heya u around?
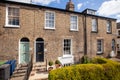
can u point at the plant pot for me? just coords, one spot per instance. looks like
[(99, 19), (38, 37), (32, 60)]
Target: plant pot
[(57, 65), (50, 68)]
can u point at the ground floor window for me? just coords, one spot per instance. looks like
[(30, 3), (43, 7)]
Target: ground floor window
[(67, 46), (99, 46), (113, 44)]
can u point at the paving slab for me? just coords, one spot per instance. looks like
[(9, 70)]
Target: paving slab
[(38, 76)]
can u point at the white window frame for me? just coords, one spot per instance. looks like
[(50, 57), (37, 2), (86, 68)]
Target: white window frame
[(6, 21), (94, 25), (71, 23), (67, 55), (102, 45), (113, 44), (45, 20), (109, 25)]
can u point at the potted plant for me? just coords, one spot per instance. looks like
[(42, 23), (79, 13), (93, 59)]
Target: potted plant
[(57, 63), (50, 66)]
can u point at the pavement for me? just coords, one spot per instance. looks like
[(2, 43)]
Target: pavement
[(115, 59), (38, 76), (44, 75)]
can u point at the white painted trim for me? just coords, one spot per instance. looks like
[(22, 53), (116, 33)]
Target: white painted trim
[(19, 53), (96, 26), (77, 23), (6, 19), (102, 46), (11, 25), (35, 50), (45, 20), (108, 22), (67, 55)]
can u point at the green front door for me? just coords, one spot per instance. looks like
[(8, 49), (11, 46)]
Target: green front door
[(24, 52)]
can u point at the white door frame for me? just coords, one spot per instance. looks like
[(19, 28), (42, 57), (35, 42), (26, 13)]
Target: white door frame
[(35, 49), (19, 51)]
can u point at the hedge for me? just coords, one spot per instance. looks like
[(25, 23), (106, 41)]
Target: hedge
[(99, 69)]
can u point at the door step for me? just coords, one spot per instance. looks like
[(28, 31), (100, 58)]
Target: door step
[(20, 72), (39, 67)]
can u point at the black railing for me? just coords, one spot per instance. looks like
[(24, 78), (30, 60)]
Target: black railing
[(29, 69)]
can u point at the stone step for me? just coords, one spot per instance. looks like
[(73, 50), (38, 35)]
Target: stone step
[(18, 75), (17, 78), (39, 67), (39, 64), (20, 71), (22, 68)]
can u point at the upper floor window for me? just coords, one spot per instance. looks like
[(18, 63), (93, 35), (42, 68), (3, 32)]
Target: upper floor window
[(50, 20), (109, 26), (67, 46), (94, 25), (12, 17), (118, 32), (74, 22), (99, 46)]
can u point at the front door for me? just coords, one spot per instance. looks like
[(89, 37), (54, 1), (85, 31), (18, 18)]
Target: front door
[(24, 52), (39, 51)]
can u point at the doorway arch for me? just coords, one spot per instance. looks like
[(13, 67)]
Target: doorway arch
[(24, 51), (39, 50)]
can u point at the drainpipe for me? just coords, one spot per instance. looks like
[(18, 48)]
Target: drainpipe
[(85, 35)]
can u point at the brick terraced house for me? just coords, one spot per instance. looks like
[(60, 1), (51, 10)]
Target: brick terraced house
[(46, 33), (118, 40)]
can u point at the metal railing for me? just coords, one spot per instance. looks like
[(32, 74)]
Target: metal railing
[(29, 69)]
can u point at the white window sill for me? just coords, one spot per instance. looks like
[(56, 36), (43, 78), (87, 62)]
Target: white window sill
[(74, 30), (12, 26), (49, 28), (68, 55), (94, 30), (99, 53), (109, 32)]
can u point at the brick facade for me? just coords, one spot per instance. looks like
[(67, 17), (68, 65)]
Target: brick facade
[(32, 22)]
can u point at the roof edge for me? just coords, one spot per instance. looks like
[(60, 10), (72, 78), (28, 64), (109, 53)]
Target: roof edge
[(53, 8)]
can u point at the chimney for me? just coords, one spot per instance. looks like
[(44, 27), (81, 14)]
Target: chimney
[(70, 6)]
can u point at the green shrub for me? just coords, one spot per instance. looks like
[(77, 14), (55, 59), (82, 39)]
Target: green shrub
[(2, 62), (85, 59), (103, 69), (50, 63), (57, 62), (98, 60)]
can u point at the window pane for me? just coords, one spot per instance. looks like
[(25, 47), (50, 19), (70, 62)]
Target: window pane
[(49, 20), (94, 25), (67, 46), (73, 22), (13, 16), (108, 26), (99, 46)]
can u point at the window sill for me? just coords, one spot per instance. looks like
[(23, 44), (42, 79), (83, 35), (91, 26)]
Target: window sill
[(49, 28), (109, 32), (94, 31), (67, 56), (74, 30), (11, 26), (99, 53)]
